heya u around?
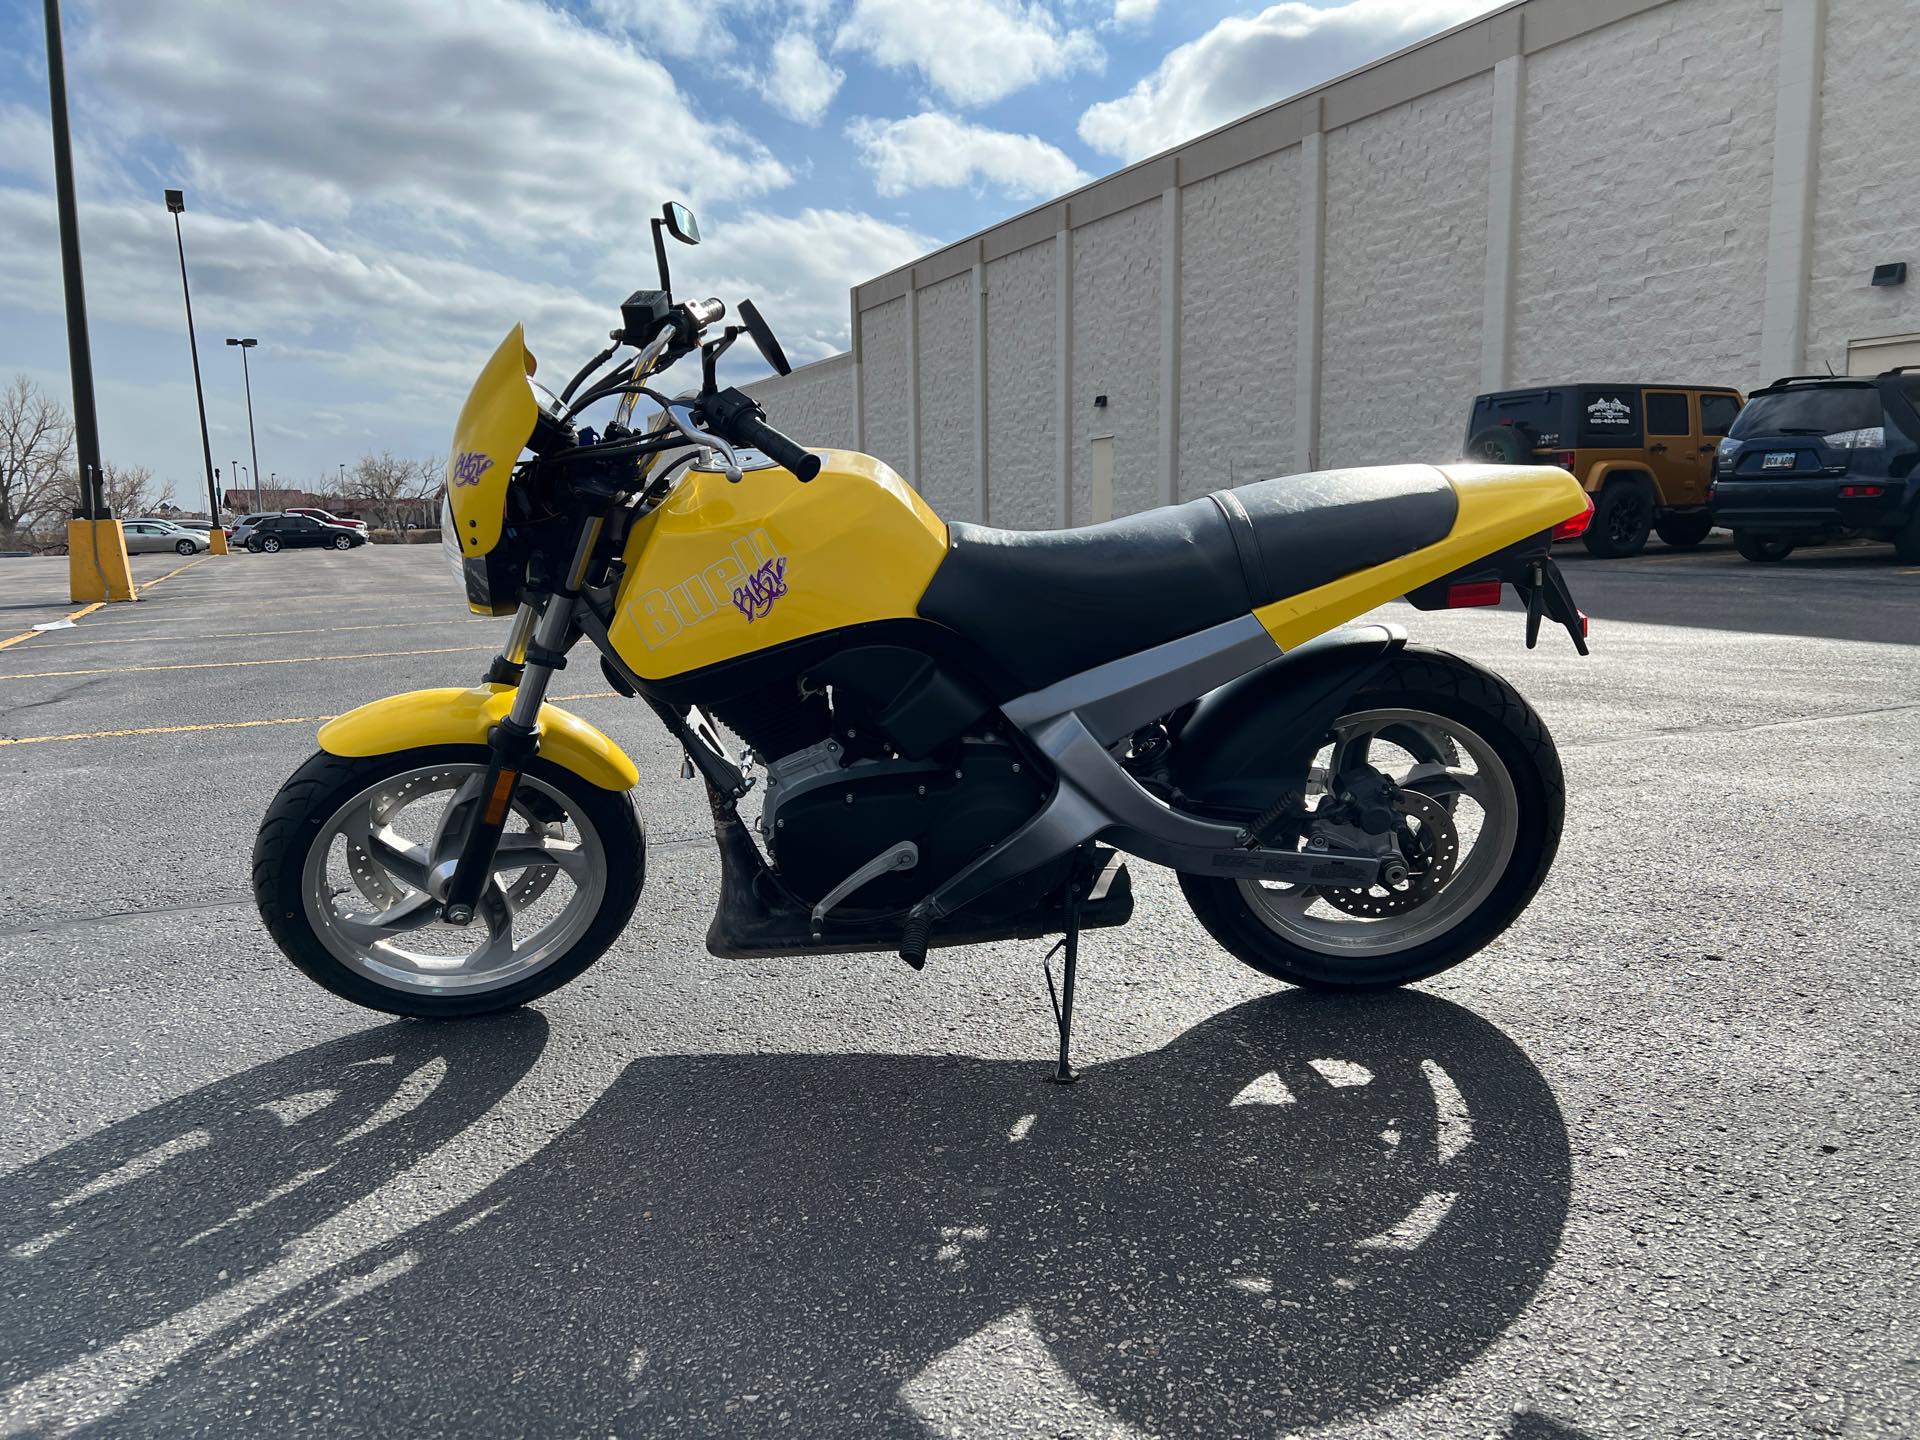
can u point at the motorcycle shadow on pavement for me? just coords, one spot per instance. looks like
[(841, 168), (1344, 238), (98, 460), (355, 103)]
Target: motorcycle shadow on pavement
[(1300, 1210), (158, 1213)]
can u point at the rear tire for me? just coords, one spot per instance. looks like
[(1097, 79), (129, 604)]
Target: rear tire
[(270, 545), (1906, 545), (1682, 532), (1622, 519), (1761, 549), (1459, 692)]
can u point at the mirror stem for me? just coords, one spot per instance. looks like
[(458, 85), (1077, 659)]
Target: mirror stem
[(660, 254)]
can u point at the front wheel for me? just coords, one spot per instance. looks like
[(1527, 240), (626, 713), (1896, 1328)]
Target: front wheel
[(341, 542), (1761, 549), (354, 853), (1477, 817), (184, 547)]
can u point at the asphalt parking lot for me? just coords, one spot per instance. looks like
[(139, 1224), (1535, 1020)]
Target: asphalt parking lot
[(1646, 1167)]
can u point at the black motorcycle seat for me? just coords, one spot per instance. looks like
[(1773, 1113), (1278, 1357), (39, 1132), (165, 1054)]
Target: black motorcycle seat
[(1045, 604)]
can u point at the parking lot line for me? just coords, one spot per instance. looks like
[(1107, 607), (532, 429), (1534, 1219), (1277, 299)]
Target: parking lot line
[(71, 615), (235, 664), (252, 634), (229, 724), (149, 584)]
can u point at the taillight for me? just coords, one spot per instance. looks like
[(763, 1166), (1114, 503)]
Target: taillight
[(1574, 528), (1861, 492), (1564, 459), (1473, 592)]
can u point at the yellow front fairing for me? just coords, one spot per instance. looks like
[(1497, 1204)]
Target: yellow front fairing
[(722, 569), (495, 425), (1499, 505)]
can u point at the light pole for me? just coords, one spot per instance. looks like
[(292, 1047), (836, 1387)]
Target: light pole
[(106, 576), (252, 439), (217, 538)]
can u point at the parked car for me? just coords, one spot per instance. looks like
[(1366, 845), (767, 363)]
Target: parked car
[(147, 537), (326, 517), (243, 528), (1644, 452), (1815, 458), (281, 532)]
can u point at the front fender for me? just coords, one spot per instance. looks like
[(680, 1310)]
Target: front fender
[(464, 717)]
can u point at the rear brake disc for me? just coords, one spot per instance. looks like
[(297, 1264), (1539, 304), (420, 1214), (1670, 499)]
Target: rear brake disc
[(1431, 859)]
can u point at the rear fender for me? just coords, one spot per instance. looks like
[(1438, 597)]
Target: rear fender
[(1631, 472), (1254, 738), (466, 717)]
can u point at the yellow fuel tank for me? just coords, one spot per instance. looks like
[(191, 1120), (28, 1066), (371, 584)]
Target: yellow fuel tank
[(723, 570)]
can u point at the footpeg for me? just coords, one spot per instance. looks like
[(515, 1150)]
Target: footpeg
[(913, 941)]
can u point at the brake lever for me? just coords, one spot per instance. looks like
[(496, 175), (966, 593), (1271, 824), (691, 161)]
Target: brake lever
[(683, 421)]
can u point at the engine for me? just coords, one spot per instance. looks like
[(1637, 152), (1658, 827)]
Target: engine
[(824, 817)]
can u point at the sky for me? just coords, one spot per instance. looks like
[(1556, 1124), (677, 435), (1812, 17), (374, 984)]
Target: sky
[(378, 189)]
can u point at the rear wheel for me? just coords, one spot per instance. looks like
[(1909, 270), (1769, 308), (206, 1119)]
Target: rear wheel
[(1622, 518), (1906, 544), (1762, 549), (1683, 532), (270, 545), (1476, 823), (353, 851)]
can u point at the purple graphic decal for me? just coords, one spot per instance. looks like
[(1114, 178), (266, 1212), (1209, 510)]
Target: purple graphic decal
[(764, 586), (469, 466)]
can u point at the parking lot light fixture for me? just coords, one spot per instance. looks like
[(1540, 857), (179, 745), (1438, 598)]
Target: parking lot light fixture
[(253, 439), (216, 537)]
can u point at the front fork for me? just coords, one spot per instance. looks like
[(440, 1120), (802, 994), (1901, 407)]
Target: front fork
[(535, 649)]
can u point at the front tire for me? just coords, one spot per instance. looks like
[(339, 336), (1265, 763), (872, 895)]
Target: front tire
[(1424, 703), (345, 865), (1761, 549), (1683, 532), (185, 547), (341, 542)]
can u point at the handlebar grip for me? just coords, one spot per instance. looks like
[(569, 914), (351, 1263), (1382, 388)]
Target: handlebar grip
[(706, 312), (750, 430), (735, 416)]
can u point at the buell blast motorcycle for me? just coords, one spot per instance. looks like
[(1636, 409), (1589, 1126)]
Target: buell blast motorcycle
[(957, 731)]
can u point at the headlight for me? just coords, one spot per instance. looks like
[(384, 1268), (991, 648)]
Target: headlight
[(1873, 437)]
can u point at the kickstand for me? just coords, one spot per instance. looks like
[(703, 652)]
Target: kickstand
[(1067, 946)]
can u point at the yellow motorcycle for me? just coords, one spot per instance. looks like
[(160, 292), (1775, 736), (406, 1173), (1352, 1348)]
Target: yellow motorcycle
[(955, 732)]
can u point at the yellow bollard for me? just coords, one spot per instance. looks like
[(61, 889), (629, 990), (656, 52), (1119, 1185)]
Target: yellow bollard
[(217, 542), (97, 565)]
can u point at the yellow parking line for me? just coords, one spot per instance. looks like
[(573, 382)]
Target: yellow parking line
[(246, 634), (149, 584), (236, 664), (71, 615), (228, 725)]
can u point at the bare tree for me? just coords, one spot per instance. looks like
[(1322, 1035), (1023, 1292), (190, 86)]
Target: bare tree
[(36, 441), (393, 491), (127, 490)]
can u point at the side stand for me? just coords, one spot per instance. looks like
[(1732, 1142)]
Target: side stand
[(1068, 947)]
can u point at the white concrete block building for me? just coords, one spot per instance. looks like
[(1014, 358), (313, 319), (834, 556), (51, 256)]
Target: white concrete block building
[(1695, 191)]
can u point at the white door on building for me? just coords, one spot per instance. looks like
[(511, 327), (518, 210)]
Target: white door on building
[(1870, 357)]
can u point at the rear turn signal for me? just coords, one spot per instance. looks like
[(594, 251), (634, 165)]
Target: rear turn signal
[(1861, 492), (1473, 592), (1576, 527)]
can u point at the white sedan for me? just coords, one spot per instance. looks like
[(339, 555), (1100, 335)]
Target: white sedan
[(148, 536)]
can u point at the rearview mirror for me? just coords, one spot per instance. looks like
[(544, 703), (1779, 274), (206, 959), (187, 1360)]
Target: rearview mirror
[(680, 223), (763, 340)]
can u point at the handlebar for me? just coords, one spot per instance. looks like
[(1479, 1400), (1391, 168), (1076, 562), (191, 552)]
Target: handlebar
[(739, 420)]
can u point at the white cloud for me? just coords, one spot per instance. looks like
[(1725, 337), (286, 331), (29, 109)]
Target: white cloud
[(680, 28), (798, 269), (800, 84), (502, 118), (973, 52), (1134, 12), (1246, 62), (932, 150)]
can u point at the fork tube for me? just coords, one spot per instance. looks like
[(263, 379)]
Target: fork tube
[(516, 740)]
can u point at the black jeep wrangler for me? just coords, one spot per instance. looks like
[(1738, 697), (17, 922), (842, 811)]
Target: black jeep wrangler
[(1813, 458)]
